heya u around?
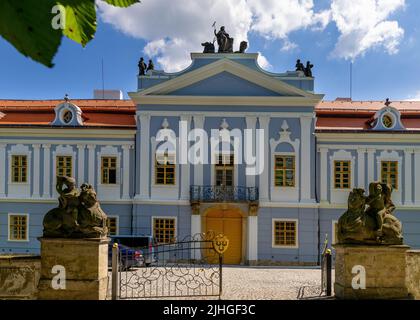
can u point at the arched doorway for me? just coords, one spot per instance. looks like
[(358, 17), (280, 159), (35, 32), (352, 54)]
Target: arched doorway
[(229, 222)]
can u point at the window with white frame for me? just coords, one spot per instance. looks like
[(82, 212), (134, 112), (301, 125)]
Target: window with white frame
[(18, 227), (224, 170), (64, 166), (285, 233), (164, 229), (109, 170), (19, 169), (284, 170), (112, 223), (165, 169)]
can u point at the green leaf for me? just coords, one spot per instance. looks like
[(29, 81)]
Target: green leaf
[(121, 3), (27, 26), (80, 23)]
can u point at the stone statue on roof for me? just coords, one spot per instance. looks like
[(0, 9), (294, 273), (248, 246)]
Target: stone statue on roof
[(142, 67), (224, 41)]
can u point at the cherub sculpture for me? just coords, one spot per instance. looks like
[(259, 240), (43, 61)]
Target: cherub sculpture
[(78, 214), (370, 220)]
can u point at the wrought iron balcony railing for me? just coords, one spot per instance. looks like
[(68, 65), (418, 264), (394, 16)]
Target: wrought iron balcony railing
[(223, 194)]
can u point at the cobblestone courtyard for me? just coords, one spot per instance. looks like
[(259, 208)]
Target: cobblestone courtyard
[(271, 283)]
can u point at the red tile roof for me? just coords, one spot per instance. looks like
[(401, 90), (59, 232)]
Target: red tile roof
[(340, 115), (96, 113), (346, 115)]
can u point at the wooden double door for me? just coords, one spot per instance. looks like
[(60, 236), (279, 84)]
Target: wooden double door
[(228, 222)]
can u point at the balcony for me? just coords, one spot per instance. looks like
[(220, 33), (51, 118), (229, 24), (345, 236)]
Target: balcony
[(223, 194)]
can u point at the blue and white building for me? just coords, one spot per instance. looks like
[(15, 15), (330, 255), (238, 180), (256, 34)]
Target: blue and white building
[(314, 153)]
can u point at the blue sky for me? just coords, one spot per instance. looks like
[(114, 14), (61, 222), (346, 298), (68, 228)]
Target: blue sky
[(388, 65)]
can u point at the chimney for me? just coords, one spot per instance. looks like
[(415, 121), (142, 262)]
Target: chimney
[(99, 94), (343, 99)]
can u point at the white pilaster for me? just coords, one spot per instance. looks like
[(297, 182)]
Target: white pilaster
[(323, 174), (144, 155), (417, 176), (251, 123), (253, 238), (91, 161), (47, 179), (80, 164), (361, 183), (371, 165), (306, 179), (196, 229), (264, 177), (198, 168), (126, 171), (36, 170), (408, 185), (3, 170), (185, 168)]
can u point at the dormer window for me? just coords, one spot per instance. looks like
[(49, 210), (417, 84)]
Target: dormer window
[(387, 118), (67, 114)]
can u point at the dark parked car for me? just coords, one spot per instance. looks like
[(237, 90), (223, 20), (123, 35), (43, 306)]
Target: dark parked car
[(144, 243), (129, 257)]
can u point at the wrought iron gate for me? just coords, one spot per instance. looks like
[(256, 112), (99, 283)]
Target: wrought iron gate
[(190, 267)]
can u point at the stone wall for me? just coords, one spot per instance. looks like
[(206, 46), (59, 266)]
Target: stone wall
[(413, 273), (19, 276)]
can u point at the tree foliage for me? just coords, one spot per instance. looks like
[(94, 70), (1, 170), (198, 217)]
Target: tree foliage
[(29, 25)]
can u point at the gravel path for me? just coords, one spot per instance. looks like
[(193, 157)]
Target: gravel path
[(274, 283)]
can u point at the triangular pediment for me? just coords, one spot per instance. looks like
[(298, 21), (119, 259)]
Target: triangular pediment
[(259, 83)]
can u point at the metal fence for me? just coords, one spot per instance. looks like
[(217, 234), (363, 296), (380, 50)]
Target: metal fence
[(191, 267), (224, 194)]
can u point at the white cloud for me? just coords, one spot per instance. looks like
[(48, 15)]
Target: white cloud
[(414, 97), (363, 25), (174, 28), (263, 62)]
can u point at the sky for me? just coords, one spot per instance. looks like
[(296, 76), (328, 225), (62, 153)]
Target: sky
[(381, 38)]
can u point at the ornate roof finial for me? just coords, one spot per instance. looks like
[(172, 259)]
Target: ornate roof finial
[(66, 97), (387, 102)]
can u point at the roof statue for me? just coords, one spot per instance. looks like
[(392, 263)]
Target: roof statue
[(78, 214), (224, 41), (307, 71), (370, 219), (142, 67)]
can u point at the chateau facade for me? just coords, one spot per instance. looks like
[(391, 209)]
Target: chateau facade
[(314, 153)]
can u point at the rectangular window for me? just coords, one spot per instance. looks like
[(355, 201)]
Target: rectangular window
[(224, 170), (18, 227), (342, 174), (164, 230), (64, 166), (285, 233), (112, 226), (19, 169), (284, 171), (165, 169), (389, 173), (109, 170)]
